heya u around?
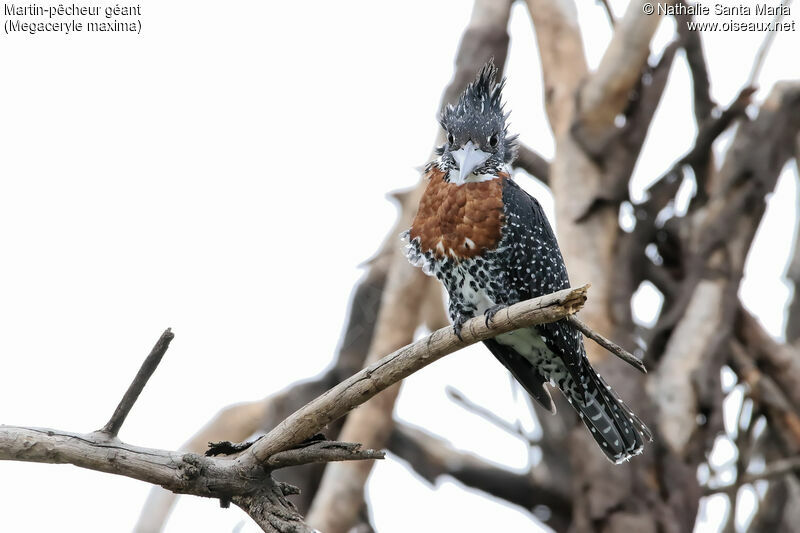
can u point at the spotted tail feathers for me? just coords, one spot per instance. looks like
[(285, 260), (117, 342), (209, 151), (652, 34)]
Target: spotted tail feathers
[(618, 431)]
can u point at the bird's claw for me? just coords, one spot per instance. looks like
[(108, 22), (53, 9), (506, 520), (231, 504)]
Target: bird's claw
[(458, 323), (489, 313)]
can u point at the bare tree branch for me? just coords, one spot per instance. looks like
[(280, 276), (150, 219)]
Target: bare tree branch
[(772, 470), (432, 457), (251, 487), (621, 154), (246, 480), (763, 389), (563, 66), (328, 451), (607, 91), (149, 366), (719, 241), (609, 497), (238, 422), (185, 473), (775, 513), (700, 154), (512, 429), (662, 192), (609, 345), (532, 163), (695, 57), (793, 276), (780, 361)]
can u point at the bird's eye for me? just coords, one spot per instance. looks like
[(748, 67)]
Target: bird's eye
[(450, 138), (493, 140)]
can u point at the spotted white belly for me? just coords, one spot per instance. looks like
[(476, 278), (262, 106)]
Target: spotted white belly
[(474, 293), (528, 343)]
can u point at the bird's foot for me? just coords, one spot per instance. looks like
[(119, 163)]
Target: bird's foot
[(489, 313), (458, 323)]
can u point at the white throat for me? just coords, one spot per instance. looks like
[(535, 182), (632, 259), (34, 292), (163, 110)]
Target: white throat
[(454, 176)]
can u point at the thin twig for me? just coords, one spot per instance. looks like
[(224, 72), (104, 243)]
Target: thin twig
[(612, 347), (149, 366), (513, 429)]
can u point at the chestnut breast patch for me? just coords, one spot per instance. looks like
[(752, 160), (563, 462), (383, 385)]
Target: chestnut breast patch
[(459, 221)]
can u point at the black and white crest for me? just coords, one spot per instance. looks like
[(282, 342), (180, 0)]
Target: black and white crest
[(478, 116)]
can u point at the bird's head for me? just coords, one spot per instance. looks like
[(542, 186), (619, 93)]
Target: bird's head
[(477, 145)]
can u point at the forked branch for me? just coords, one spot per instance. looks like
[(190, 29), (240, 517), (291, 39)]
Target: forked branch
[(246, 479)]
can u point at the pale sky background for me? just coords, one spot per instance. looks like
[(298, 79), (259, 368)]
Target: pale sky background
[(225, 174)]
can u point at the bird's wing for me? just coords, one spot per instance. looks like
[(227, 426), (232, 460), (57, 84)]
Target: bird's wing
[(535, 267), (522, 370)]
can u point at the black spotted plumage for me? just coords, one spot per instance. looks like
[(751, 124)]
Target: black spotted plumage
[(537, 268), (522, 263)]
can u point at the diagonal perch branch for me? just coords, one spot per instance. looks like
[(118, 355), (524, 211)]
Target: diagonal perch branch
[(149, 366), (400, 364)]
